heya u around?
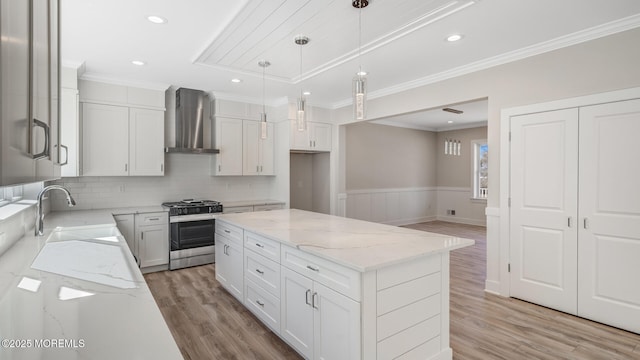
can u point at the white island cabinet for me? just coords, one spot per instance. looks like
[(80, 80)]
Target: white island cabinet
[(338, 288)]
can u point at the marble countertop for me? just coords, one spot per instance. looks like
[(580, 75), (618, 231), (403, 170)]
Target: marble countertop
[(360, 245), (48, 315)]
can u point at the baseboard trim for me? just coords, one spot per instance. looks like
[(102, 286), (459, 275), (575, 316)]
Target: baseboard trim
[(459, 220), (402, 222), (492, 287)]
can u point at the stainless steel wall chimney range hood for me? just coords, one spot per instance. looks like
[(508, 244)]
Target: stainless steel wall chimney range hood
[(189, 122)]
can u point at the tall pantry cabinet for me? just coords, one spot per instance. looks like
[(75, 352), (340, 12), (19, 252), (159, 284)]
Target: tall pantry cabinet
[(575, 210), (29, 91)]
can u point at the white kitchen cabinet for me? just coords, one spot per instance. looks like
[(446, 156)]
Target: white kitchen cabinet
[(146, 142), (317, 321), (258, 153), (105, 140), (122, 141), (227, 139), (242, 151), (229, 264), (29, 50), (126, 226), (315, 137), (152, 239), (69, 126)]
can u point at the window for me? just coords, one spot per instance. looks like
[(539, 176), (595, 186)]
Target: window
[(480, 168), (9, 194)]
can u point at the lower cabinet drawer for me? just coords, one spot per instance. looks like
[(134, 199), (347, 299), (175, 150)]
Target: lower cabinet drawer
[(263, 305), (262, 271), (231, 231), (337, 277)]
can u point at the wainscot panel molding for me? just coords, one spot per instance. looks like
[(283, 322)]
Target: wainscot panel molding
[(401, 206), (492, 283)]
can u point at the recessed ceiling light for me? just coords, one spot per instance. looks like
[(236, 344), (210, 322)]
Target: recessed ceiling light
[(157, 19), (306, 93), (450, 122), (454, 37), (236, 80), (138, 62)]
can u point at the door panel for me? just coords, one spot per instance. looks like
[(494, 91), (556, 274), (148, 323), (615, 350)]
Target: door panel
[(544, 152), (296, 312), (609, 245)]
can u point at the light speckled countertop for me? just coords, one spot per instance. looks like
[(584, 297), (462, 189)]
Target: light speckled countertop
[(94, 320), (360, 245)]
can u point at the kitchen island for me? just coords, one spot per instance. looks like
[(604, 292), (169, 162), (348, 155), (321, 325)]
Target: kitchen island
[(77, 293), (338, 288)]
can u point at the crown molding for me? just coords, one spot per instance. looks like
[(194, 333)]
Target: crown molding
[(117, 81), (593, 33)]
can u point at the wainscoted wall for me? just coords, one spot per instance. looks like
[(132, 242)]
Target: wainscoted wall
[(413, 205), (467, 210), (392, 206), (186, 176), (493, 282)]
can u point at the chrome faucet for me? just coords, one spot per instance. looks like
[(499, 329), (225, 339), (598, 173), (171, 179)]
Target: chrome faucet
[(39, 212)]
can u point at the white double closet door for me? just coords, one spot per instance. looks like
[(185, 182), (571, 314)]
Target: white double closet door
[(575, 211)]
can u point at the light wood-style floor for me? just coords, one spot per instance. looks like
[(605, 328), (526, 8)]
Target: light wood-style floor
[(208, 323)]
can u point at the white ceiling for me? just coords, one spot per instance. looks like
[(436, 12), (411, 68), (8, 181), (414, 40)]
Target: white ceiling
[(474, 114), (206, 43)]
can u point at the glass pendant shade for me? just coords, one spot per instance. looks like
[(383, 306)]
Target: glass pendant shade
[(263, 125), (359, 97), (263, 114), (300, 116)]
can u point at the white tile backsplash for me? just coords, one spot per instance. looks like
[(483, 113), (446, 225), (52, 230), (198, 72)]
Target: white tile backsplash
[(186, 176)]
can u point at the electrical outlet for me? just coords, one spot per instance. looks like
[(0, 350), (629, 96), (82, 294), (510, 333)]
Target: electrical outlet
[(451, 212)]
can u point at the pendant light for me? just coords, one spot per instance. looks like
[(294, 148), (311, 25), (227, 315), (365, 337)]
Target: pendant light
[(300, 114), (359, 81), (263, 115)]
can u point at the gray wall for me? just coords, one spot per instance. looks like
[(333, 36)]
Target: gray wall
[(455, 171), (605, 64), (382, 156), (309, 181)]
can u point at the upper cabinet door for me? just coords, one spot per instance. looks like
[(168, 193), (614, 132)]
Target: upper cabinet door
[(44, 129), (251, 147), (299, 138), (267, 150), (228, 139), (320, 136), (16, 165), (105, 140), (146, 142)]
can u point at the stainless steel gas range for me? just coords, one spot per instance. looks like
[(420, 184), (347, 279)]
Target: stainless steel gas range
[(192, 232)]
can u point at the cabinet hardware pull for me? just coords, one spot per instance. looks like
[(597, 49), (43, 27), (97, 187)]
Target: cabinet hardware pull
[(260, 303), (260, 245), (306, 297), (66, 158), (142, 235), (218, 167), (45, 151), (586, 223), (260, 271), (313, 300), (257, 168), (154, 219), (227, 231), (569, 221), (313, 268), (126, 167)]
